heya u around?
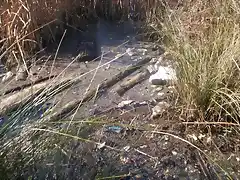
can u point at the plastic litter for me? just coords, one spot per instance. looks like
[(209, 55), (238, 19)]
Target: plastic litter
[(115, 129)]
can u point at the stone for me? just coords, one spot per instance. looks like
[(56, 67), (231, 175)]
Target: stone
[(21, 74), (160, 108)]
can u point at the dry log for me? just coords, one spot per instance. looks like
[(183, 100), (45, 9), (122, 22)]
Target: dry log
[(19, 88), (130, 83), (16, 100), (71, 106), (22, 98), (27, 95)]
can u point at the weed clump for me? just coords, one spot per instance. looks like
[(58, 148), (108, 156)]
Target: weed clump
[(204, 39)]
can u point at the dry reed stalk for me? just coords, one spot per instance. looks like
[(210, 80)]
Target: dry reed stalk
[(19, 20)]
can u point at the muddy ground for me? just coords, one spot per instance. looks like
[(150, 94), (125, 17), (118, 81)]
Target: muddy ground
[(129, 144)]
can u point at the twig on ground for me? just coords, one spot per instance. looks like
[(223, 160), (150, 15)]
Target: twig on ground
[(145, 154), (211, 123), (19, 88)]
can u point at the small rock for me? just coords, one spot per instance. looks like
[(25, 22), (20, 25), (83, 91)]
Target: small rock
[(7, 76), (143, 51), (162, 76), (21, 74), (238, 159), (124, 103), (125, 160), (160, 94), (159, 108)]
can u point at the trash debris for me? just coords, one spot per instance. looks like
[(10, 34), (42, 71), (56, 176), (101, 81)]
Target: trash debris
[(130, 52), (126, 148), (193, 136), (1, 121), (125, 160), (151, 69), (143, 51), (124, 103), (162, 76), (44, 108), (101, 145), (238, 159), (7, 76), (174, 153), (115, 129)]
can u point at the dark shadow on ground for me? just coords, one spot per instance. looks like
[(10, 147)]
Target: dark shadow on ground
[(91, 38)]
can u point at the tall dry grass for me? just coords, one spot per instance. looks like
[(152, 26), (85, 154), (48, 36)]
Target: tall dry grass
[(25, 26), (204, 39)]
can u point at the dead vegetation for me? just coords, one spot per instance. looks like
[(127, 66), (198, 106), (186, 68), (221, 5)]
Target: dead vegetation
[(202, 36), (27, 27)]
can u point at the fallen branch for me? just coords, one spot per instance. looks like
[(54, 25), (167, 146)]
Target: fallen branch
[(130, 83), (19, 88), (14, 101), (71, 106), (28, 95)]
